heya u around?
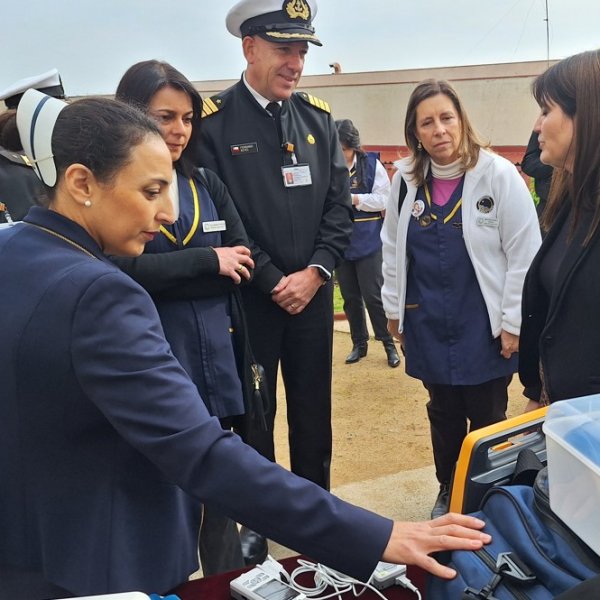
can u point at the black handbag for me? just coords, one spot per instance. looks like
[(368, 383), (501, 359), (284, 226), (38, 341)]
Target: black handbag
[(254, 382)]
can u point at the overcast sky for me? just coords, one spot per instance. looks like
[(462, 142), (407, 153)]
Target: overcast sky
[(92, 42)]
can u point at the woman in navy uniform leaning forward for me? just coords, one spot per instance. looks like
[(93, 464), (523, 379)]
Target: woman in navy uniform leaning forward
[(108, 448)]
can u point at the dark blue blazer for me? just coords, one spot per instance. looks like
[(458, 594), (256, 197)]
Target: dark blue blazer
[(107, 449)]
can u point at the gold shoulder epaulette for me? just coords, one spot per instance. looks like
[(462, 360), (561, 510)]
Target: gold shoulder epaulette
[(15, 157), (211, 105), (314, 101)]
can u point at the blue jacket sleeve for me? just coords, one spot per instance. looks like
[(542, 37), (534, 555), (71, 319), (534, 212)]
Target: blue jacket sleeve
[(126, 368)]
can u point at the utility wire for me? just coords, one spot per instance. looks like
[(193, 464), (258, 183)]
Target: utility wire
[(524, 26), (478, 44)]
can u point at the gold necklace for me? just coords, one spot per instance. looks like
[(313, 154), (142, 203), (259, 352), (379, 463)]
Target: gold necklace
[(65, 239)]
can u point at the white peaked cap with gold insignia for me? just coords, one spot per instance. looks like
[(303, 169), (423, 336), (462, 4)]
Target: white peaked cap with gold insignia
[(274, 20)]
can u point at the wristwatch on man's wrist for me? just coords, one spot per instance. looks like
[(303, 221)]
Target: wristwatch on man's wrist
[(325, 276)]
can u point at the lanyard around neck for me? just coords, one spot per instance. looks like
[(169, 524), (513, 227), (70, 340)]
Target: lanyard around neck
[(171, 237), (433, 215)]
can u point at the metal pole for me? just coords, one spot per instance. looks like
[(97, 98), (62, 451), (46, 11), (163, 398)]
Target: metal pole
[(547, 19)]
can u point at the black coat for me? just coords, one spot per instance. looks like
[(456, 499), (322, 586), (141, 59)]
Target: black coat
[(289, 228), (562, 331), (20, 187), (532, 165), (191, 272)]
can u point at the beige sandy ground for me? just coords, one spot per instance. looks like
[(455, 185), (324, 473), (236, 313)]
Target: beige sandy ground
[(382, 452), (381, 449)]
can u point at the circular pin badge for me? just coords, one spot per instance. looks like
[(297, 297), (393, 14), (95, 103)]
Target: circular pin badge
[(417, 208), (485, 205), (310, 138), (425, 220)]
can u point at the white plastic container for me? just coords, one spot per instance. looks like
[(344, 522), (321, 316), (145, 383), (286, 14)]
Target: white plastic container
[(572, 429)]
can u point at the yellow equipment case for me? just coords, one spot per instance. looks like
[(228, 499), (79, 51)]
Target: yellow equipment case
[(488, 457)]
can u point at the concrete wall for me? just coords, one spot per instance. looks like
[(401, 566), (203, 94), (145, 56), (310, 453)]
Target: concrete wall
[(497, 97)]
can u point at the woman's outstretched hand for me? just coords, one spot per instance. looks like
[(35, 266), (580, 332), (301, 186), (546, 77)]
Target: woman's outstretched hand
[(412, 543)]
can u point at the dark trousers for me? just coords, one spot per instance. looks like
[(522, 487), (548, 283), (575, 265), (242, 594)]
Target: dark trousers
[(219, 543), (17, 584), (360, 283), (454, 410), (302, 344)]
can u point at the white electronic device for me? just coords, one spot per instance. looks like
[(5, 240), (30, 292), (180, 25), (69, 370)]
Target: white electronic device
[(258, 585), (384, 575)]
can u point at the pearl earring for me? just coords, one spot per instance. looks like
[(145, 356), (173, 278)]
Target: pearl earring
[(419, 146), (87, 203)]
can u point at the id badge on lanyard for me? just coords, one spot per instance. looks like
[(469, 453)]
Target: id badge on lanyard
[(4, 209), (295, 175)]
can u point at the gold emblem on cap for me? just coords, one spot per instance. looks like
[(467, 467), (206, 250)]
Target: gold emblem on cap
[(310, 138), (298, 9)]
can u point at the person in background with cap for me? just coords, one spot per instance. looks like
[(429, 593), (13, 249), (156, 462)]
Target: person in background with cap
[(107, 447), (278, 153), (19, 186)]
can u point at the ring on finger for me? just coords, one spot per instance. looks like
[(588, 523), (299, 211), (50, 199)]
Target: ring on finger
[(240, 268), (292, 306)]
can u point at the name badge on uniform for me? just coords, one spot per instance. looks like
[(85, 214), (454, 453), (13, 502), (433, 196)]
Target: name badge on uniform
[(212, 226), (487, 222), (240, 149), (296, 175)]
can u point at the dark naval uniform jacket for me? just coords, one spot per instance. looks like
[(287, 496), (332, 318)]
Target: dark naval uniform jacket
[(289, 228), (20, 187), (107, 448)]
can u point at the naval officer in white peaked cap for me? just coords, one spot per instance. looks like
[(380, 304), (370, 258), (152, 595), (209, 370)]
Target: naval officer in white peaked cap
[(274, 20), (278, 152)]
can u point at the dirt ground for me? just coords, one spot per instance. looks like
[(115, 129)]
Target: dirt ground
[(380, 430), (380, 422)]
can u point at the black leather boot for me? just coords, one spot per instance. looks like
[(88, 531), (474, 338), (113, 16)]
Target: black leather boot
[(392, 354), (442, 502), (254, 546), (358, 351)]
